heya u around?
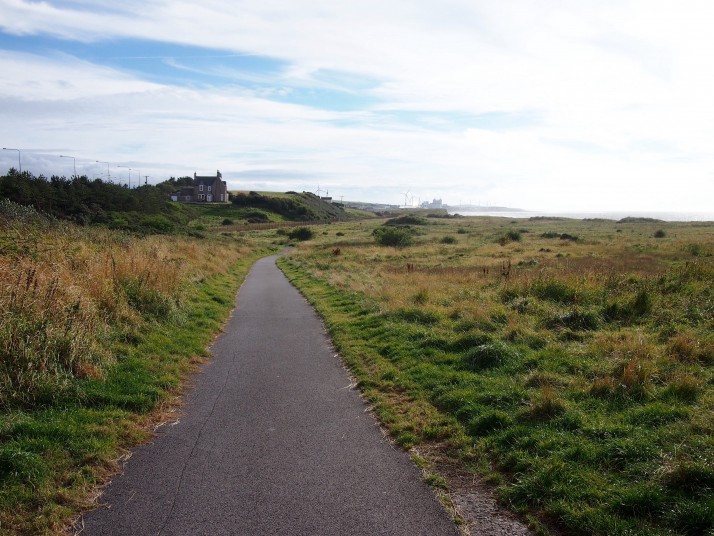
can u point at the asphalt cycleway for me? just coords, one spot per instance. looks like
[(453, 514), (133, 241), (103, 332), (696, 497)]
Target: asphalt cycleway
[(273, 439)]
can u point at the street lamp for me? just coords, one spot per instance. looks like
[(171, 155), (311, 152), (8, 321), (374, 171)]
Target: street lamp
[(74, 162), (107, 163), (127, 167), (19, 161)]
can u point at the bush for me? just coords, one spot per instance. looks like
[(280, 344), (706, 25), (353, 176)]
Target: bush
[(157, 224), (407, 220), (510, 236), (659, 233), (227, 221), (448, 240), (301, 233), (391, 236)]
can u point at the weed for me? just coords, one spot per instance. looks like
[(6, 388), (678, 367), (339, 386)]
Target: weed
[(684, 387), (487, 423), (486, 356), (554, 291), (547, 405)]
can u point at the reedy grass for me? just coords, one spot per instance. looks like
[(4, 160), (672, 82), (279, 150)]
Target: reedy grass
[(578, 373), (98, 330)]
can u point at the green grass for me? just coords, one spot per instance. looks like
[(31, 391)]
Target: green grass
[(53, 455), (578, 374)]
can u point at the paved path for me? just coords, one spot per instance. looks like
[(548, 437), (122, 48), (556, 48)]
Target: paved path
[(273, 440)]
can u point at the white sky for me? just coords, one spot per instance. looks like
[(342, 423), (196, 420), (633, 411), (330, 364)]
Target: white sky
[(551, 105)]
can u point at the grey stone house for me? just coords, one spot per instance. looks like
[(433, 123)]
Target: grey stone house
[(205, 189)]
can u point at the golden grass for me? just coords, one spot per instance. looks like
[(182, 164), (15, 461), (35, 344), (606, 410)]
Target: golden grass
[(63, 297)]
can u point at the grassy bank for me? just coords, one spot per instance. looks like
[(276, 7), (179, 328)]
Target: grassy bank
[(98, 330), (571, 362)]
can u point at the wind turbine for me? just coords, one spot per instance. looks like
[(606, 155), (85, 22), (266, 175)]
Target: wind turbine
[(407, 201)]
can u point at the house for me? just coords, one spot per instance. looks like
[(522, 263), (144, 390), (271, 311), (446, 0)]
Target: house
[(205, 189)]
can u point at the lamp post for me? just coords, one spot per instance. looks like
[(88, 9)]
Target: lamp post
[(127, 167), (107, 163), (19, 161), (74, 162)]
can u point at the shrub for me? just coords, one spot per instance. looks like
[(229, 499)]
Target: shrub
[(566, 236), (510, 236), (659, 233), (407, 220), (227, 221), (391, 236), (448, 240), (157, 224), (301, 233)]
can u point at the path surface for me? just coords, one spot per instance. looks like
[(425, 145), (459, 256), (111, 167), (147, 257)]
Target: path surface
[(272, 440)]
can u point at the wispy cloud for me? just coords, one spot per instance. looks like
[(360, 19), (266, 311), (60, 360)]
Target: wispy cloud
[(586, 105)]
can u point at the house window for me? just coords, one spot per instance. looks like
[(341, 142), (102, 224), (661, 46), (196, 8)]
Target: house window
[(200, 188), (209, 188)]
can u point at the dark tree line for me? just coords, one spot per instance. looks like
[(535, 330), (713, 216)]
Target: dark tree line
[(86, 200)]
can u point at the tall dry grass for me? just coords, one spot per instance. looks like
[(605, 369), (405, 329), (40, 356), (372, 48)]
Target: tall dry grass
[(66, 290)]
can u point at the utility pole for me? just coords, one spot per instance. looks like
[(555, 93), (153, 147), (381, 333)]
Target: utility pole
[(74, 162), (127, 167), (107, 163), (19, 160)]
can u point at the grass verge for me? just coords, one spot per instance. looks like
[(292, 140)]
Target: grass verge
[(575, 373), (60, 444)]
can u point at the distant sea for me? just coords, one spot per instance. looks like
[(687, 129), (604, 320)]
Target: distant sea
[(666, 216)]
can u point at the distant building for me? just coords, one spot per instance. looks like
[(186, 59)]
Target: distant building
[(436, 203), (205, 189)]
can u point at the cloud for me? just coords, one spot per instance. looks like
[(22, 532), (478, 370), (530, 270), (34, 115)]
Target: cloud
[(609, 101)]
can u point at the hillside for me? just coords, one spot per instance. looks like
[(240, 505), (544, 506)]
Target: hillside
[(148, 210), (294, 206)]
